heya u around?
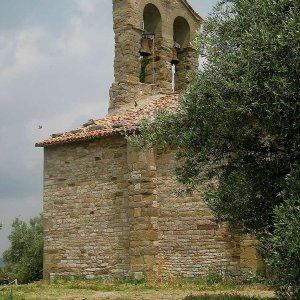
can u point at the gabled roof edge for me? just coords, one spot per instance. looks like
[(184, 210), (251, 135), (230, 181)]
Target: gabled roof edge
[(190, 8)]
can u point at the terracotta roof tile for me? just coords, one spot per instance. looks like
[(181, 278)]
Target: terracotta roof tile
[(112, 124)]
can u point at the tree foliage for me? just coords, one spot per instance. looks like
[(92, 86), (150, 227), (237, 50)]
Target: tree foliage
[(239, 119), (282, 246), (24, 259)]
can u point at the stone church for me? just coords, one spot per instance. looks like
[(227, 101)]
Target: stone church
[(110, 209)]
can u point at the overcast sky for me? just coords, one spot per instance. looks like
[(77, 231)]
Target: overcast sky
[(56, 67)]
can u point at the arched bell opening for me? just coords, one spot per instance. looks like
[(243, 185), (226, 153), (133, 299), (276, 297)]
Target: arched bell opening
[(181, 38), (181, 32), (150, 39), (152, 20)]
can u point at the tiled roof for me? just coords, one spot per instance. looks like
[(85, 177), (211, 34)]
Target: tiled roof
[(113, 124)]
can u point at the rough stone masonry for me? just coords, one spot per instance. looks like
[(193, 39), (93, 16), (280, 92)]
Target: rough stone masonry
[(110, 209)]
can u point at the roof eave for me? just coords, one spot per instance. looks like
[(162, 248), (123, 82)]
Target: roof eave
[(73, 140)]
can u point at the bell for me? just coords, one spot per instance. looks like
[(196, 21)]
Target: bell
[(145, 47), (175, 59)]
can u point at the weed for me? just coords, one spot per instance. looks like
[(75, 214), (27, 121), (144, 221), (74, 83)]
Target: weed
[(214, 277), (9, 295)]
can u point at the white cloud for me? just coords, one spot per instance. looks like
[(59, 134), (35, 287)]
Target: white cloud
[(87, 7), (21, 52), (4, 142), (30, 48), (73, 40)]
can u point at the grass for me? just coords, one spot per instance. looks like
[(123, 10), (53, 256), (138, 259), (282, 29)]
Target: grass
[(9, 295), (87, 289), (130, 285)]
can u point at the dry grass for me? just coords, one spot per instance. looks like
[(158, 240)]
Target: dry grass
[(86, 290)]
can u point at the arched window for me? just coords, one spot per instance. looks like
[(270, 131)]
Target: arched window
[(181, 32), (152, 20), (181, 38), (149, 43)]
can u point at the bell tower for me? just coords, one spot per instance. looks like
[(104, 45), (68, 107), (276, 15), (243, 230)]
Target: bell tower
[(152, 49)]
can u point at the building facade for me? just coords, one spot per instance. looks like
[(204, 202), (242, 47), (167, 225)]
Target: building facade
[(110, 209)]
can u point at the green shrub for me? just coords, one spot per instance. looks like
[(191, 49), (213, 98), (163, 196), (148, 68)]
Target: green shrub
[(3, 273), (24, 259)]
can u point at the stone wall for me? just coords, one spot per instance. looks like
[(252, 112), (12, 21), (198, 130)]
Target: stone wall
[(85, 209), (191, 243), (110, 209)]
